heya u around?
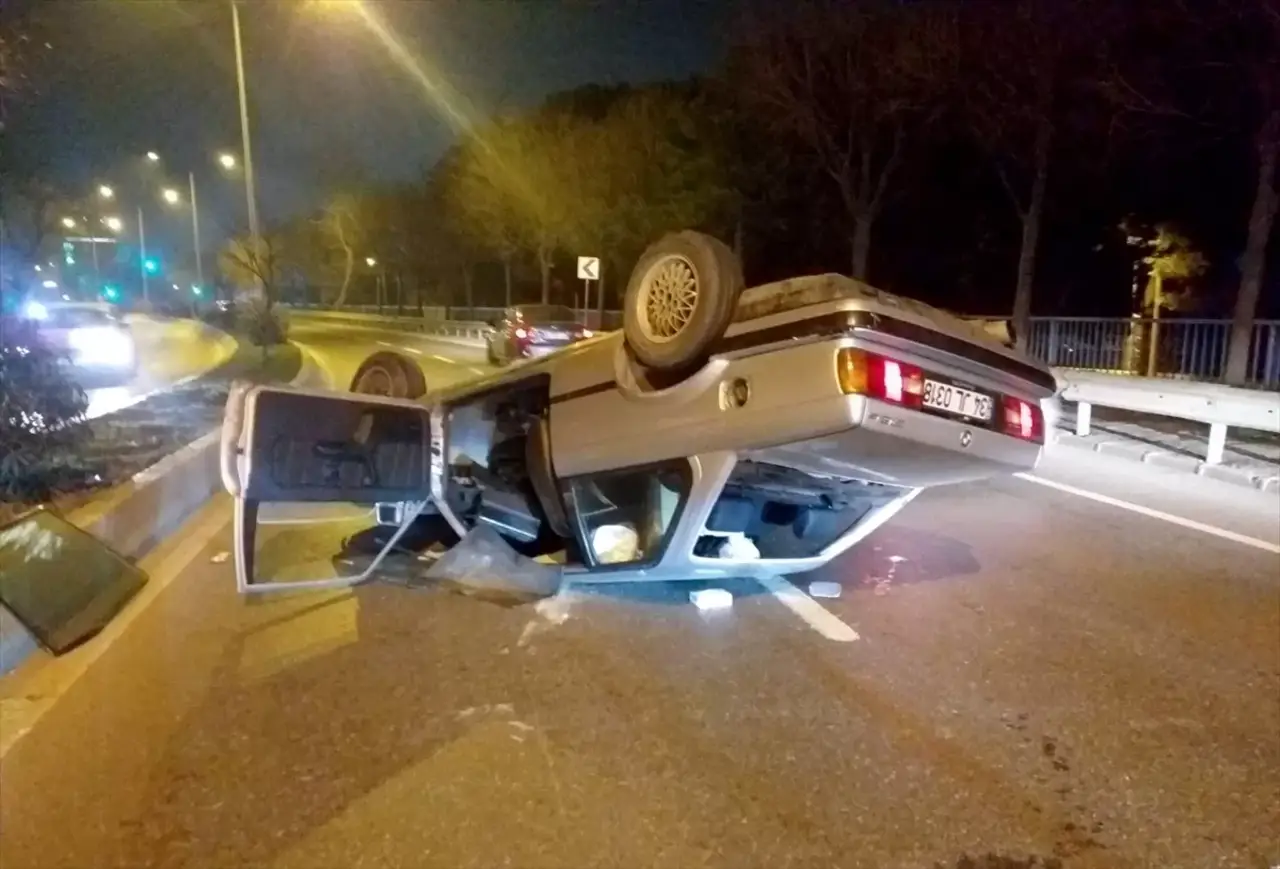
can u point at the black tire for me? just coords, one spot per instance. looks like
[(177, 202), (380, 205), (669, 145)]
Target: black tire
[(389, 374), (683, 341)]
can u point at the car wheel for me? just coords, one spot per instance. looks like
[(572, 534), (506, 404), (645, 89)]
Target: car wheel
[(391, 375), (680, 299)]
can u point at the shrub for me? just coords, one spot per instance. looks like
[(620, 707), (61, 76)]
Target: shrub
[(42, 415), (263, 324)]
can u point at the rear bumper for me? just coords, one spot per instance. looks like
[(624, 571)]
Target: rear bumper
[(890, 444)]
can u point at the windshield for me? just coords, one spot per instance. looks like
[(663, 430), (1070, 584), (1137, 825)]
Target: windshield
[(546, 313)]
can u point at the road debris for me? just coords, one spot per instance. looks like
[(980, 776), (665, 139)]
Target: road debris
[(825, 589)]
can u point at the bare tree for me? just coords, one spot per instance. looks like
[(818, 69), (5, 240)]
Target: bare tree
[(251, 263), (340, 223), (1219, 76), (1027, 66), (852, 83), (1261, 69)]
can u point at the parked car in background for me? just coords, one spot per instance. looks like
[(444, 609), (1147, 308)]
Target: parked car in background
[(95, 341), (528, 331)]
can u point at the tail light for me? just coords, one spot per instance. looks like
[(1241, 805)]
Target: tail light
[(863, 373), (1022, 419)]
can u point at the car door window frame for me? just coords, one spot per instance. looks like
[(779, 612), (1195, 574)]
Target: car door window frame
[(577, 518)]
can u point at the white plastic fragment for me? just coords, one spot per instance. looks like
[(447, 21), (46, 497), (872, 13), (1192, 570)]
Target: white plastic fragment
[(711, 599), (614, 544), (738, 547), (825, 589)]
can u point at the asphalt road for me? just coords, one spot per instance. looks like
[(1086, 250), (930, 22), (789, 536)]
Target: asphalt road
[(1039, 675), (168, 352)]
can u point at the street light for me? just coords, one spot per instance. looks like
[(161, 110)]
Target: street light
[(171, 196), (153, 156), (114, 224), (68, 223), (227, 161), (245, 147), (370, 261), (105, 191)]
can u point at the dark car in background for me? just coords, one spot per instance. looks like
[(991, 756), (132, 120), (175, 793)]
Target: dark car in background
[(529, 331), (98, 344)]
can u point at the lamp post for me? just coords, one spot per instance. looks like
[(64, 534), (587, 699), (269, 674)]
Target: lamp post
[(142, 255), (195, 230), (250, 196)]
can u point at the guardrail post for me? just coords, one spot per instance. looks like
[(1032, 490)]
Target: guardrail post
[(1084, 411), (1217, 443)]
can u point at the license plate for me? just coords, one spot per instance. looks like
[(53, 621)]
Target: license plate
[(955, 400)]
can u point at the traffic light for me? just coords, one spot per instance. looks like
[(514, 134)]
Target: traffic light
[(151, 265), (196, 290), (111, 293)]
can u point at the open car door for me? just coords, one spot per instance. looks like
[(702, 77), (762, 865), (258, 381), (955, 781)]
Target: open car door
[(281, 444)]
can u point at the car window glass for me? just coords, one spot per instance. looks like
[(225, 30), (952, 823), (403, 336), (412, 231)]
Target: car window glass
[(626, 517)]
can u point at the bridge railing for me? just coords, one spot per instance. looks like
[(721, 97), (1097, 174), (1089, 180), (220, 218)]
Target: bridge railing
[(1184, 349)]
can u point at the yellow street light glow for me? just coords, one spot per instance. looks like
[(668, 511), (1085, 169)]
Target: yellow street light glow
[(227, 161), (153, 156), (114, 224), (68, 223), (170, 196), (370, 261), (105, 191)]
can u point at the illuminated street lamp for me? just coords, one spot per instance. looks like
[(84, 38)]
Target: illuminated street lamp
[(227, 161), (153, 157), (370, 261), (114, 224), (69, 223), (105, 191), (171, 195)]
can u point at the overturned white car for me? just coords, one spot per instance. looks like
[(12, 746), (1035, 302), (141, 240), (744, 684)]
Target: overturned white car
[(722, 432)]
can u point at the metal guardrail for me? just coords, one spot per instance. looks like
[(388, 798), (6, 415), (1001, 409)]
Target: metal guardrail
[(1187, 349), (1218, 406), (473, 333)]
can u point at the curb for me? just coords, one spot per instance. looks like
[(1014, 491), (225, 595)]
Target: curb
[(1161, 458)]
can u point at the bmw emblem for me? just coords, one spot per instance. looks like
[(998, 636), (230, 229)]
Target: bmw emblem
[(966, 438)]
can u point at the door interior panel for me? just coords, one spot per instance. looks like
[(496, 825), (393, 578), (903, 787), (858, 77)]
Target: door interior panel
[(305, 447)]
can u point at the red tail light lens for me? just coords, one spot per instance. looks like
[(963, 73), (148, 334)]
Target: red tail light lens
[(1023, 419), (863, 373)]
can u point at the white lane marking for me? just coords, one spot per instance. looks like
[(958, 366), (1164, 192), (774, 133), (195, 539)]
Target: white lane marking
[(1264, 545), (813, 613), (52, 678), (403, 347), (446, 359)]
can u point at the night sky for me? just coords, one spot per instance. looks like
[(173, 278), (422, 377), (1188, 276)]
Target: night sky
[(328, 103)]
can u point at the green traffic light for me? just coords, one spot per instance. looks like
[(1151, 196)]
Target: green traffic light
[(110, 293), (151, 265)]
